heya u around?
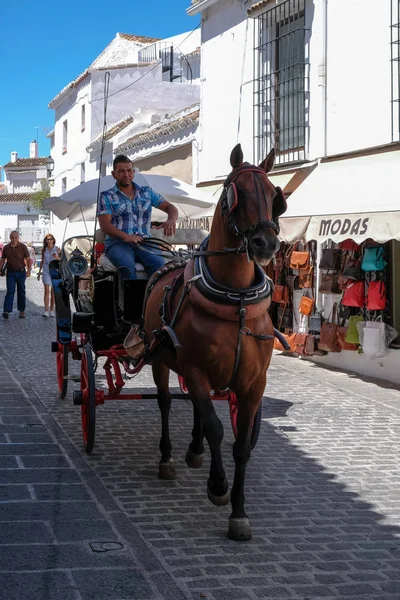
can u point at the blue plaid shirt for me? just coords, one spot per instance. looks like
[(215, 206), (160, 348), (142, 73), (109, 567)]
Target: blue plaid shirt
[(130, 216)]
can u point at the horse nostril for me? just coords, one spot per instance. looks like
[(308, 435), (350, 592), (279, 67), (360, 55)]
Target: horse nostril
[(259, 242)]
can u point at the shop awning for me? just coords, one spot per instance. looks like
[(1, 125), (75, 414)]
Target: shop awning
[(356, 198)]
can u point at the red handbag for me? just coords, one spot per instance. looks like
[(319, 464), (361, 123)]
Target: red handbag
[(376, 297), (354, 294), (349, 246)]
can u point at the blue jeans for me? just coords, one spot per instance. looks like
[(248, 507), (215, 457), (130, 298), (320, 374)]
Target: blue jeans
[(15, 278), (125, 254)]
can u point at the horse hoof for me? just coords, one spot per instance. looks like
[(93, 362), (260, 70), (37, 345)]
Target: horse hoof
[(239, 530), (194, 461), (219, 500), (166, 470)]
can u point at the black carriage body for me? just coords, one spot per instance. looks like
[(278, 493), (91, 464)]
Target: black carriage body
[(105, 312)]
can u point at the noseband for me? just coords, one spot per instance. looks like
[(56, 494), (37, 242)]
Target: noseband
[(229, 201)]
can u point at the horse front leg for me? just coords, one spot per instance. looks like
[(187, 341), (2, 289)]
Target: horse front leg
[(199, 390), (166, 468), (239, 527), (195, 454)]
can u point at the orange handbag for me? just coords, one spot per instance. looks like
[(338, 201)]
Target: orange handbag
[(299, 260), (306, 305)]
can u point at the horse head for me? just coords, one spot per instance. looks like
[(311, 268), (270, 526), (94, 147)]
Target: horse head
[(252, 206)]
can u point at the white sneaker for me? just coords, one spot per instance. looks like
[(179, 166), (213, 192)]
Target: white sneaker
[(52, 313), (45, 314)]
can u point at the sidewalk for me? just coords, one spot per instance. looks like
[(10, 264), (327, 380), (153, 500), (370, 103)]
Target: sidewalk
[(322, 493)]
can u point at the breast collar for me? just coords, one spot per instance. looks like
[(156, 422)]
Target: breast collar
[(217, 292)]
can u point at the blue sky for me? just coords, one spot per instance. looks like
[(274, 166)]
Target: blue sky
[(44, 45)]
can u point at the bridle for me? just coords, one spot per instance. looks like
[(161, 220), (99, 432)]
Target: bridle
[(229, 201)]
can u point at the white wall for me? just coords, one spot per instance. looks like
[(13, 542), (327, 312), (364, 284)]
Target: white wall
[(358, 80), (359, 84), (227, 73), (68, 164), (24, 181)]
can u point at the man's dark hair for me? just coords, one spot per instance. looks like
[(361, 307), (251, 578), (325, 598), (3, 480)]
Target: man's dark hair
[(121, 158)]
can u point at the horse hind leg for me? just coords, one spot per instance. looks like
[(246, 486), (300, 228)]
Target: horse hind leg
[(195, 454), (166, 468)]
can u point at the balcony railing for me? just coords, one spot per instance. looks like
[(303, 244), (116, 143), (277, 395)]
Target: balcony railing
[(28, 234)]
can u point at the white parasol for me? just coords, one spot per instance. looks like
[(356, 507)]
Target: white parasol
[(80, 203)]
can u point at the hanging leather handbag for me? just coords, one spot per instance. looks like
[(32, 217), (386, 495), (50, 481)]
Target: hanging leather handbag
[(349, 246), (315, 322), (343, 312), (328, 336), (306, 278), (306, 305), (343, 281), (352, 270), (373, 259), (277, 295), (299, 260), (329, 284), (341, 336), (330, 259), (376, 296), (354, 294)]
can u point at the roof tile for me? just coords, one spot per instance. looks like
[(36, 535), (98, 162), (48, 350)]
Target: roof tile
[(258, 6), (10, 198), (142, 39), (26, 162)]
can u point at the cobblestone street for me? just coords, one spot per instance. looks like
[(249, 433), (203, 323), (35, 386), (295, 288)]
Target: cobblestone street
[(322, 489)]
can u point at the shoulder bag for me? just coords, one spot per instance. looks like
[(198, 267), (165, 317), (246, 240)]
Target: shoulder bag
[(354, 294), (330, 259), (328, 336)]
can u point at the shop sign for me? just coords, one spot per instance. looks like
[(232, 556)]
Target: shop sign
[(343, 226)]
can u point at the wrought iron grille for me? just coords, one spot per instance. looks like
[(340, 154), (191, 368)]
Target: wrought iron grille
[(281, 84), (395, 70)]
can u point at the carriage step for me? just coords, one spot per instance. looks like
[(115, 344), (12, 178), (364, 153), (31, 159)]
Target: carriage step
[(75, 378)]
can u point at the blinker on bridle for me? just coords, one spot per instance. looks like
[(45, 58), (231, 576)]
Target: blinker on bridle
[(229, 201)]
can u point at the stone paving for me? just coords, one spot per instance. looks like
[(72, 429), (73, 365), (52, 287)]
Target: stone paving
[(322, 492)]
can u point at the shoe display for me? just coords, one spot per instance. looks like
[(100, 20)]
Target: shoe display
[(52, 313), (45, 314), (5, 315)]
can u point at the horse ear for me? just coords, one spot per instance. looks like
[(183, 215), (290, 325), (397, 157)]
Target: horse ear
[(279, 204), (268, 162), (236, 157)]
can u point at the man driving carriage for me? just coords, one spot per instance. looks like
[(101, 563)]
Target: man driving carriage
[(124, 214)]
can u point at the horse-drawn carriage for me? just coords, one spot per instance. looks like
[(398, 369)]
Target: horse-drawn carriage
[(204, 316)]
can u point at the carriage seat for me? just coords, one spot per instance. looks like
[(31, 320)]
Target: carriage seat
[(182, 237)]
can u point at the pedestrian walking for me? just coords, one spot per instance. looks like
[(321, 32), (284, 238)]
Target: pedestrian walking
[(32, 255), (49, 252), (18, 267)]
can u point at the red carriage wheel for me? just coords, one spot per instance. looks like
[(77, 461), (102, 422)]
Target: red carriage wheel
[(182, 385), (62, 367), (233, 411), (88, 391)]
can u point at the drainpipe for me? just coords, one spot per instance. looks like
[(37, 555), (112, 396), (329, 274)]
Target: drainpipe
[(322, 77), (322, 83)]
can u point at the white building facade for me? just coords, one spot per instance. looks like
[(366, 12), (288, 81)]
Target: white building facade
[(141, 81), (23, 177), (317, 81)]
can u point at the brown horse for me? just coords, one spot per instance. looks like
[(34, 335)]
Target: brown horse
[(222, 344)]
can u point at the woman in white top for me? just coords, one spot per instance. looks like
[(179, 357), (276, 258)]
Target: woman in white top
[(49, 253)]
